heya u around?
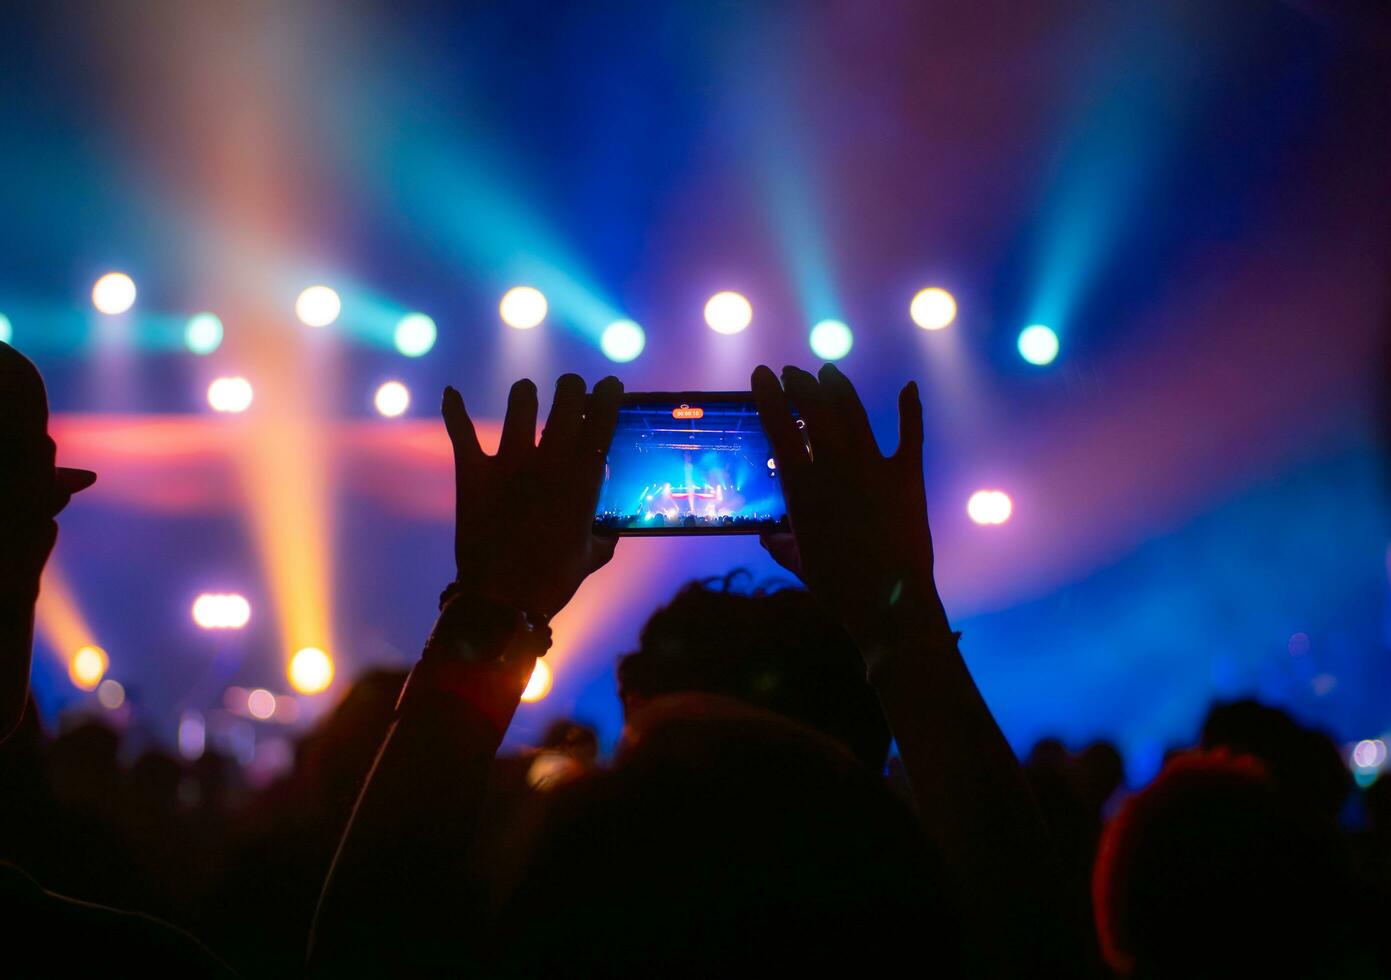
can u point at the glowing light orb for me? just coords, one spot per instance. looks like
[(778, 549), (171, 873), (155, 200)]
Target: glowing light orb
[(111, 694), (728, 313), (831, 340), (192, 735), (113, 293), (218, 611), (311, 671), (523, 307), (539, 684), (415, 334), (260, 703), (6, 330), (1038, 344), (989, 507), (318, 306), (392, 399), (87, 666), (772, 463), (203, 333), (231, 395), (933, 308), (622, 341), (1369, 753)]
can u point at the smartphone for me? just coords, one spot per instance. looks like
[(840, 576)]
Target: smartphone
[(691, 462)]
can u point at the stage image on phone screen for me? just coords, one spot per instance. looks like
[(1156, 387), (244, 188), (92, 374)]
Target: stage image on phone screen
[(690, 464)]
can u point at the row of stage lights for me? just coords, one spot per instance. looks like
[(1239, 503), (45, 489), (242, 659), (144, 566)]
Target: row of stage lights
[(526, 307)]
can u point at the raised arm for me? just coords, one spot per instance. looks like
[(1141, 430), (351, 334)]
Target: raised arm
[(861, 543), (398, 898)]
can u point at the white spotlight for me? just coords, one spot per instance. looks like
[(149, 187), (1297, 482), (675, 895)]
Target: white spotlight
[(728, 313), (113, 293), (622, 341), (318, 306), (831, 340), (1038, 344), (523, 307), (392, 399), (989, 507), (933, 308), (415, 334), (230, 395)]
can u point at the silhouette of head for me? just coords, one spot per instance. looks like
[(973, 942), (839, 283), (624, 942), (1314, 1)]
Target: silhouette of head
[(777, 649), (32, 492), (726, 841), (1302, 762), (1212, 871)]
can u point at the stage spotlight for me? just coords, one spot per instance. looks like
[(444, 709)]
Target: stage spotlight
[(622, 341), (230, 395), (831, 340), (87, 666), (203, 333), (6, 331), (392, 399), (415, 334), (728, 313), (260, 703), (311, 671), (1038, 344), (113, 293), (523, 307), (215, 611), (1370, 753), (539, 684), (318, 306), (933, 309), (111, 694), (989, 507)]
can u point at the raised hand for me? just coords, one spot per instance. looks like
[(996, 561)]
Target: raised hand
[(524, 517), (860, 537)]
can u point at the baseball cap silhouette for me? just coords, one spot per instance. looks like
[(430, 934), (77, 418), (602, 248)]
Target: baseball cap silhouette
[(26, 449)]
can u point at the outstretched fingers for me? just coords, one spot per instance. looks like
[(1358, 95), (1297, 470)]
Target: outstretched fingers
[(910, 427), (519, 425), (600, 421), (853, 422), (563, 425), (462, 435), (789, 450)]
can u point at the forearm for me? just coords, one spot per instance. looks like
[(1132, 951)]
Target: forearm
[(399, 896), (975, 805), (17, 599)]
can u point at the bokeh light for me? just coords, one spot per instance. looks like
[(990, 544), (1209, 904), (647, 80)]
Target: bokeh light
[(933, 308), (111, 694), (392, 399), (1038, 344), (260, 703), (87, 667), (523, 307), (728, 313), (1370, 753), (539, 684), (6, 330), (989, 507), (831, 340), (193, 734), (622, 341), (221, 611), (113, 293), (230, 395), (318, 306), (415, 334), (203, 333), (311, 671)]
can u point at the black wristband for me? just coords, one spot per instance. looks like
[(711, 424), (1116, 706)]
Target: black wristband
[(473, 628)]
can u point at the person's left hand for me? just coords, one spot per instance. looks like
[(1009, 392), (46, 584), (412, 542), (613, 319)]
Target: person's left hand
[(523, 525)]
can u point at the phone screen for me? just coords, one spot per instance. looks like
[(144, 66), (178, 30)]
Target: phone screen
[(690, 463)]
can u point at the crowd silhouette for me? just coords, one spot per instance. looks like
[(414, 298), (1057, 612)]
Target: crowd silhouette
[(753, 820)]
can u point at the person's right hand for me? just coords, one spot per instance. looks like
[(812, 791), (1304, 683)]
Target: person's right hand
[(860, 537), (523, 525)]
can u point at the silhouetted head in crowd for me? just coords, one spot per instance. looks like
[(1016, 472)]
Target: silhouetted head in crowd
[(32, 492), (775, 649), (1301, 761), (572, 738), (336, 756), (1212, 871), (725, 841)]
